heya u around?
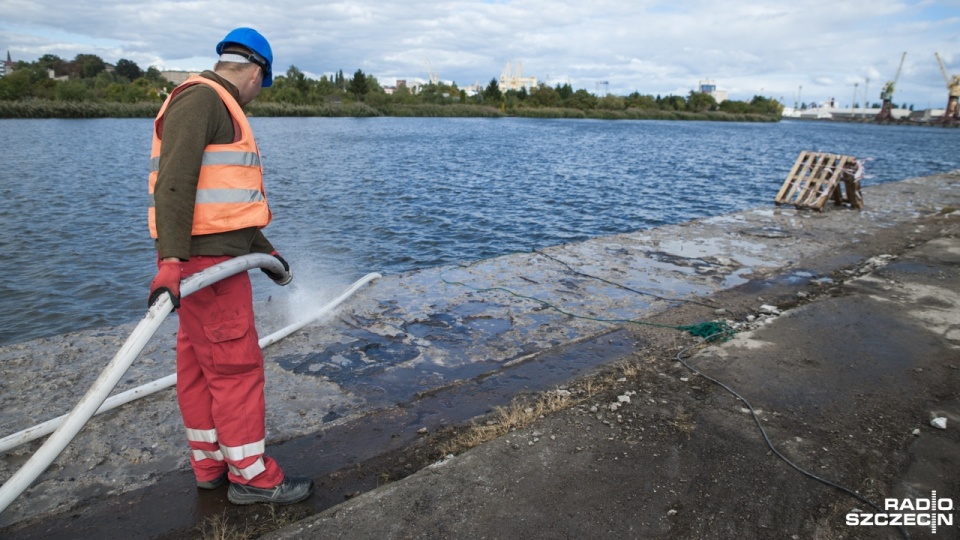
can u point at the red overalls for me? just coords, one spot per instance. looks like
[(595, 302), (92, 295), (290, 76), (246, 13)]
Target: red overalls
[(220, 381), (220, 373)]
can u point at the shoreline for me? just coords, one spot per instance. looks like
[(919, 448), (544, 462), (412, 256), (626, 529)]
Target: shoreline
[(45, 109)]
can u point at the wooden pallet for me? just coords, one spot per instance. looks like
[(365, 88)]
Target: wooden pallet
[(817, 177)]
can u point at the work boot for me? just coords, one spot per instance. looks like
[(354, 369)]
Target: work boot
[(213, 484), (291, 490)]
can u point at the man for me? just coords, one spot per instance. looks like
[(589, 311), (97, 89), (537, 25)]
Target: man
[(208, 204)]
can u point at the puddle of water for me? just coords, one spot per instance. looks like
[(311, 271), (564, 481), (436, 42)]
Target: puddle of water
[(489, 326), (795, 277), (908, 267), (439, 327)]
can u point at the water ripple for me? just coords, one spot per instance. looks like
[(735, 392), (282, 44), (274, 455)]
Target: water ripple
[(394, 194)]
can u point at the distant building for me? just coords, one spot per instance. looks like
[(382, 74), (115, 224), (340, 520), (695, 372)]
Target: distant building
[(7, 67), (177, 77), (710, 88), (473, 90), (53, 75), (927, 115), (390, 89)]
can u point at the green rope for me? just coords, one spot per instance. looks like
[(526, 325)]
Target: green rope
[(708, 330)]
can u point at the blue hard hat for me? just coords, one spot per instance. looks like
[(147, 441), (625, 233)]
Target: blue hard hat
[(256, 43)]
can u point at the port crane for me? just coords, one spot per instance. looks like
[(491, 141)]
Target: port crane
[(513, 79), (953, 86), (434, 78), (886, 95)]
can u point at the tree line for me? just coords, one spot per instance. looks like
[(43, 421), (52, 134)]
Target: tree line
[(88, 80)]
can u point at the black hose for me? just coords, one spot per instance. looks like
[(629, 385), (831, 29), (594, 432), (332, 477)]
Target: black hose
[(848, 491)]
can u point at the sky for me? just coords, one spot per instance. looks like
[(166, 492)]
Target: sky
[(792, 51)]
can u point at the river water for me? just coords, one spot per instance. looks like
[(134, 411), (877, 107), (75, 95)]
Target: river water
[(351, 196)]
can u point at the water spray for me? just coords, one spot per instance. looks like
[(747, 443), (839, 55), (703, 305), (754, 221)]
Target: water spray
[(66, 427)]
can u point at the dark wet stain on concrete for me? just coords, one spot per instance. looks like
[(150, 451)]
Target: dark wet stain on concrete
[(908, 267), (886, 347), (768, 232), (679, 262), (344, 362), (173, 507)]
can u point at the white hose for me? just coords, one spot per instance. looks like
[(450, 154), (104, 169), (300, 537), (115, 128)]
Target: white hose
[(39, 430), (46, 428), (111, 374)]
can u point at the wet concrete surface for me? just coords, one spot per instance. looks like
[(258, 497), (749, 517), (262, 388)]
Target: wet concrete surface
[(173, 507), (421, 350), (845, 382)]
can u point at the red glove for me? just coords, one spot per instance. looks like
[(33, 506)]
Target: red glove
[(280, 279), (166, 280)]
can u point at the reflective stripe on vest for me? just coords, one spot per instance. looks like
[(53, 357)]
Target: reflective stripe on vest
[(222, 196), (230, 192), (245, 159)]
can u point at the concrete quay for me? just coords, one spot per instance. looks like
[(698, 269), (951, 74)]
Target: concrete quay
[(842, 378), (851, 382)]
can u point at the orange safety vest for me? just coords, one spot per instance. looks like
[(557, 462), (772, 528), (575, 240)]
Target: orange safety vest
[(230, 192)]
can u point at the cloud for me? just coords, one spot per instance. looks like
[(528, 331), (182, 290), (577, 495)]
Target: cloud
[(746, 47)]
